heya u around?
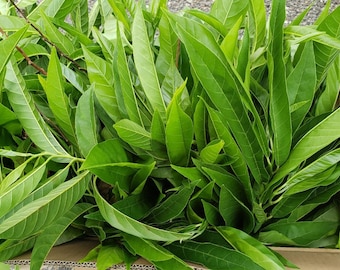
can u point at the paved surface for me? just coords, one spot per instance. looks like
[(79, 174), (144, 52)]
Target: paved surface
[(293, 7)]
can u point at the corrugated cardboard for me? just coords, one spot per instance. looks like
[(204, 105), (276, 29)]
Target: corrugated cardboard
[(71, 253)]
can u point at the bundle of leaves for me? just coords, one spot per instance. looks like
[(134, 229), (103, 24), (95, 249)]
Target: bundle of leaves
[(198, 137)]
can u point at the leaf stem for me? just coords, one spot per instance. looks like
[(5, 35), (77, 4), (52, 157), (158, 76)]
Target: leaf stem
[(29, 61), (60, 52)]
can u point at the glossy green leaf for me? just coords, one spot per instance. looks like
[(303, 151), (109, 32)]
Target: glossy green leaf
[(131, 226), (212, 256), (83, 39), (23, 105), (251, 247), (310, 176), (147, 249), (169, 48), (49, 7), (7, 46), (212, 214), (325, 55), (214, 75), (9, 249), (41, 190), (144, 61), (179, 132), (120, 13), (86, 123), (101, 76), (18, 191), (153, 252), (34, 216), (109, 161), (301, 83), (51, 234), (123, 81), (328, 99), (320, 196), (12, 23), (229, 43), (133, 134), (228, 12), (54, 87), (279, 106), (257, 22), (303, 232), (210, 153), (108, 256), (234, 212), (55, 36), (231, 149), (158, 135), (314, 140), (13, 176), (173, 206)]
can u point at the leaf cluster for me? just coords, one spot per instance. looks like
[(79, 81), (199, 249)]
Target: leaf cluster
[(200, 137)]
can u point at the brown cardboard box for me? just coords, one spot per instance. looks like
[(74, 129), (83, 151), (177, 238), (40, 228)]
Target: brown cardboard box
[(66, 257)]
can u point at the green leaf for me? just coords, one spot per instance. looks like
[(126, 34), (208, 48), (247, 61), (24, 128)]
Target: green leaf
[(109, 256), (314, 140), (9, 249), (133, 134), (324, 54), (18, 191), (179, 132), (147, 249), (120, 13), (212, 256), (7, 46), (12, 23), (234, 212), (328, 99), (123, 81), (109, 161), (13, 176), (83, 39), (28, 115), (55, 36), (232, 150), (211, 152), (320, 196), (101, 76), (209, 64), (158, 136), (173, 206), (49, 7), (257, 22), (54, 87), (34, 216), (251, 247), (42, 190), (301, 84), (153, 252), (86, 123), (229, 43), (303, 232), (311, 176), (169, 48), (228, 12), (128, 225), (144, 62), (46, 240), (280, 119), (212, 214)]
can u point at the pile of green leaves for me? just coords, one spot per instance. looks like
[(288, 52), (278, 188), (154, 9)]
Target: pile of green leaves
[(197, 136)]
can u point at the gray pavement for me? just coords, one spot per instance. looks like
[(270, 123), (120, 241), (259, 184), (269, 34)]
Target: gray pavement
[(293, 7)]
